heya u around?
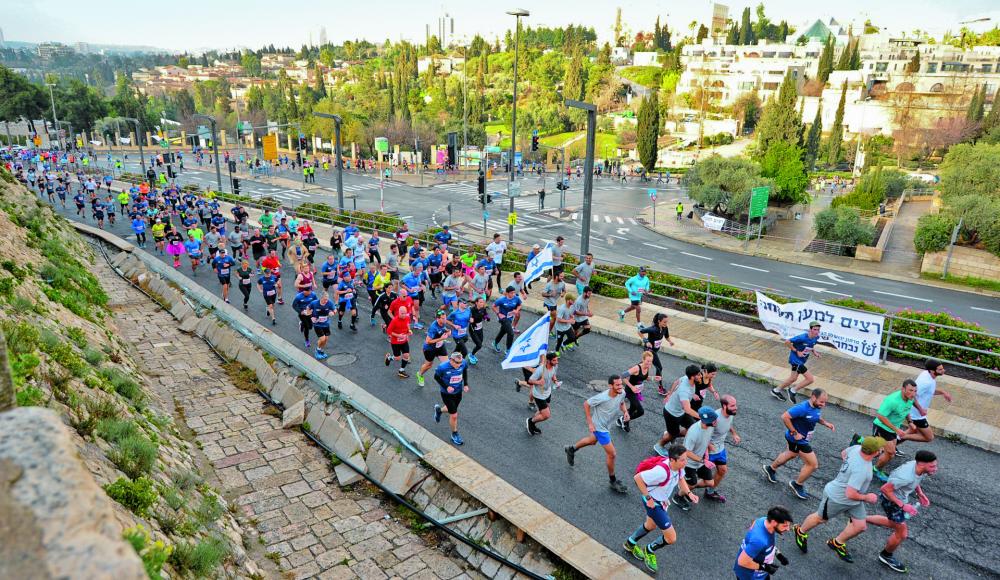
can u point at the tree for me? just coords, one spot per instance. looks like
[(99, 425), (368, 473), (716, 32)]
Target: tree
[(648, 132), (813, 139), (747, 110), (251, 64), (19, 98), (825, 61), (783, 166), (836, 140), (619, 39), (992, 120), (844, 62), (971, 170), (702, 34), (780, 122), (733, 36), (657, 35), (913, 67), (977, 105), (746, 29), (573, 82), (855, 63), (843, 225), (79, 104), (723, 184)]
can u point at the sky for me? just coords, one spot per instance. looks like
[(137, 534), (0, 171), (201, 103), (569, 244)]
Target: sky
[(199, 24)]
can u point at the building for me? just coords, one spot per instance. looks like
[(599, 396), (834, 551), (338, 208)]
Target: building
[(888, 65), (50, 50), (322, 35), (820, 31), (646, 59), (444, 65)]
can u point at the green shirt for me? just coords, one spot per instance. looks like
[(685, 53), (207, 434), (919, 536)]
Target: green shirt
[(266, 220), (895, 409)]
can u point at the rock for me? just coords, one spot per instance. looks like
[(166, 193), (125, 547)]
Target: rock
[(316, 418), (330, 431), (55, 522), (378, 465), (295, 408), (399, 478), (190, 323), (346, 475)]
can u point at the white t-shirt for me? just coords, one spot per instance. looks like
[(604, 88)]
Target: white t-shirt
[(660, 482), (496, 250), (926, 387)]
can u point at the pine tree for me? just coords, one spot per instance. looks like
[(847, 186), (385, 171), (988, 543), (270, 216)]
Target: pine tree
[(657, 35), (746, 29), (825, 61), (977, 105), (836, 140), (573, 81), (320, 83), (992, 119), (293, 107), (733, 37), (702, 34), (813, 139), (648, 131), (780, 122), (782, 31)]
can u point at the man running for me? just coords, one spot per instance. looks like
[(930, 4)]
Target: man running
[(636, 286), (845, 494), (920, 429), (894, 497), (268, 286), (891, 422), (399, 333), (800, 423), (698, 441), (758, 550), (437, 334), (583, 272), (599, 411), (302, 305), (347, 301), (506, 307), (321, 310), (496, 250), (543, 381), (657, 478), (677, 412), (800, 346), (723, 428), (453, 378), (552, 295), (581, 315), (223, 265)]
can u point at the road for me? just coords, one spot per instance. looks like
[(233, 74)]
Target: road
[(954, 538), (616, 236)]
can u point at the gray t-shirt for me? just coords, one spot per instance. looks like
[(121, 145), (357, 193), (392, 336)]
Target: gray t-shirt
[(696, 441), (450, 288), (580, 308), (603, 407), (212, 239), (856, 472), (583, 272), (722, 426), (563, 312), (547, 376), (479, 283), (683, 392), (554, 291), (904, 480), (392, 261), (235, 238), (557, 254)]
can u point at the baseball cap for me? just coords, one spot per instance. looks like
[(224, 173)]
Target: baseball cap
[(814, 324), (707, 416), (872, 444), (642, 268)]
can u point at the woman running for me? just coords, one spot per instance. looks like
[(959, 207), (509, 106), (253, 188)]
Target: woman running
[(245, 274), (637, 376), (652, 337), (175, 246), (702, 383)]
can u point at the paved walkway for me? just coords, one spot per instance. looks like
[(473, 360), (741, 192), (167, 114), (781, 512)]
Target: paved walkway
[(900, 249), (276, 477)]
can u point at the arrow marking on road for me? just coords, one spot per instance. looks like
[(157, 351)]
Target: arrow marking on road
[(985, 309), (697, 256), (835, 278), (813, 280), (824, 291), (622, 231), (654, 246), (902, 296), (749, 267)]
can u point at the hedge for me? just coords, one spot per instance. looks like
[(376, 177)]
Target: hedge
[(365, 220)]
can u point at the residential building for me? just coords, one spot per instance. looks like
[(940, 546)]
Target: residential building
[(50, 50), (646, 59), (940, 69)]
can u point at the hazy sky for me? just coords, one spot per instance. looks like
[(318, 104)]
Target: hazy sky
[(194, 24)]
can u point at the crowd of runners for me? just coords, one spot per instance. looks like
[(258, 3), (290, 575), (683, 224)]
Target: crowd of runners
[(437, 298)]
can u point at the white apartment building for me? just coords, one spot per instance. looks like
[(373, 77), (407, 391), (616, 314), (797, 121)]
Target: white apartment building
[(944, 70)]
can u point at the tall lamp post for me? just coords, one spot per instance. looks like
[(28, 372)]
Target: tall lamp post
[(215, 150), (517, 14), (55, 120), (138, 138), (588, 171), (337, 120)]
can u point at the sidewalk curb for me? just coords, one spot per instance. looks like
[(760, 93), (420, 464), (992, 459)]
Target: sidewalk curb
[(920, 281)]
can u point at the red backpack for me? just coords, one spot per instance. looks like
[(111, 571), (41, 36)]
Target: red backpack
[(654, 461)]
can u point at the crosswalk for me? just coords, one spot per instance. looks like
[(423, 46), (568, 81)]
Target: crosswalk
[(294, 195), (608, 219)]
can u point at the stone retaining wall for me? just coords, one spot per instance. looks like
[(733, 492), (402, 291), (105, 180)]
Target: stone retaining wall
[(964, 262)]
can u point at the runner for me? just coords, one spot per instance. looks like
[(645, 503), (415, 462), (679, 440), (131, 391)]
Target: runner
[(346, 300), (801, 346), (677, 412), (435, 270), (257, 243), (496, 250), (894, 497), (273, 263), (479, 315), (581, 315), (702, 383), (583, 272), (564, 324), (434, 345), (414, 284), (800, 424), (399, 333), (920, 429), (245, 273), (193, 249), (223, 264), (558, 249), (175, 246), (378, 291), (698, 442), (845, 494), (636, 286), (452, 286), (657, 478), (718, 456), (267, 283), (599, 410), (891, 422), (235, 238), (758, 550), (506, 307), (453, 378), (321, 310), (543, 381), (302, 305), (652, 337), (139, 229), (159, 230), (459, 320), (635, 376)]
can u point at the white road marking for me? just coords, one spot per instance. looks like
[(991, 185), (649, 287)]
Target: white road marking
[(633, 222), (618, 237), (835, 278), (620, 221), (902, 296), (597, 218), (573, 216), (692, 271), (985, 309), (654, 246), (813, 280), (749, 267), (820, 290), (607, 219), (697, 256)]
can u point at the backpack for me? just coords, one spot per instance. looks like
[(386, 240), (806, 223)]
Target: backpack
[(653, 461)]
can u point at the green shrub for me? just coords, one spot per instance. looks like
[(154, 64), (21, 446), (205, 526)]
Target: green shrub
[(209, 510), (135, 455), (63, 353), (172, 496), (188, 479), (69, 282), (22, 367), (124, 385), (153, 554), (77, 336), (102, 408), (843, 225), (933, 232), (31, 396), (136, 495), (21, 337), (366, 221), (869, 193), (199, 559), (117, 430), (93, 356)]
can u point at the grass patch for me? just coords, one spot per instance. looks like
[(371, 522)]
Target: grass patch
[(970, 281), (124, 386), (77, 336), (242, 377), (93, 356), (31, 396), (199, 559), (136, 495), (135, 455), (186, 480), (117, 430), (208, 510)]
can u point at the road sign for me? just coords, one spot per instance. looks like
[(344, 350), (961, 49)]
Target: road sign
[(270, 144), (381, 144), (652, 193), (515, 189), (758, 201), (486, 215), (512, 219), (164, 143), (492, 149)]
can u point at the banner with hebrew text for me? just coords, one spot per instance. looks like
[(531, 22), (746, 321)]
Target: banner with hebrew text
[(856, 334)]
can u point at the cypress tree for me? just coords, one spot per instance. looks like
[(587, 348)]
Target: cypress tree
[(733, 37), (993, 118), (573, 81), (648, 131), (844, 62), (836, 139), (780, 121), (855, 57), (825, 61), (746, 29), (977, 105), (813, 138)]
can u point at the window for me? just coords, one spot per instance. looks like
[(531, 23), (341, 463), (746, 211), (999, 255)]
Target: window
[(881, 66), (954, 67), (937, 88), (747, 85), (770, 86), (986, 68), (932, 67), (769, 54)]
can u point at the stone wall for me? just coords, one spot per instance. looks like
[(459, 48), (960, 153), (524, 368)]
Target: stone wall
[(964, 262)]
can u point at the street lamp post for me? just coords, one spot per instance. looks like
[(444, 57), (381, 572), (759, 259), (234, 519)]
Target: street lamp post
[(517, 14), (465, 106), (55, 120), (215, 150), (588, 171), (337, 120), (138, 138)]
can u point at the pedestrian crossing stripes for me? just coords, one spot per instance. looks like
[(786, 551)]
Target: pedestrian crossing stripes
[(608, 219)]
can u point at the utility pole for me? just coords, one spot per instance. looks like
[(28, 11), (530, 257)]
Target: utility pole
[(517, 14), (55, 120), (588, 171), (215, 148), (138, 137), (465, 105), (337, 120)]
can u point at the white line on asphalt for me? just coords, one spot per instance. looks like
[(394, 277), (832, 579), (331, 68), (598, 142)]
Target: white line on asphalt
[(607, 219), (985, 309), (597, 218), (633, 222), (640, 258), (573, 216), (620, 221), (749, 267), (618, 237), (902, 296), (697, 256), (692, 271), (654, 246), (827, 282)]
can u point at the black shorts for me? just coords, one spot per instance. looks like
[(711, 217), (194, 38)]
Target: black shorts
[(920, 423), (551, 307), (581, 324), (693, 474), (224, 280), (400, 349), (270, 299), (322, 330), (880, 432), (543, 404), (345, 306), (328, 283), (430, 355), (635, 302), (892, 511), (451, 402), (800, 368), (799, 446), (435, 278), (420, 297), (675, 424), (257, 255), (213, 251)]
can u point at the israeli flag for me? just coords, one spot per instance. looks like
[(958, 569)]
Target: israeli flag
[(529, 346), (538, 265)]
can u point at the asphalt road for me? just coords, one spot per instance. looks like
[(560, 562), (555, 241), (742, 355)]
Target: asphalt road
[(615, 236), (954, 538)]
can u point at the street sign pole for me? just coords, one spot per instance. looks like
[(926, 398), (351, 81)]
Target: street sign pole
[(588, 171), (652, 198), (757, 208)]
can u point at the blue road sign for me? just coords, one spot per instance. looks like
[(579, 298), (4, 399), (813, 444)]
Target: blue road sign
[(486, 215), (652, 193)]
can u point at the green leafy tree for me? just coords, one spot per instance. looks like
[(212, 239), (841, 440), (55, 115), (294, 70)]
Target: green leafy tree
[(746, 29), (780, 122), (784, 167), (913, 66), (723, 184), (992, 120), (813, 139), (826, 61), (250, 63), (20, 98), (573, 82), (702, 34), (843, 225), (79, 104), (648, 132), (836, 139), (747, 110), (844, 62), (971, 170), (320, 84)]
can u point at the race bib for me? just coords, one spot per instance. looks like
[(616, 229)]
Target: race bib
[(322, 319), (456, 379), (224, 272), (270, 292), (657, 343), (479, 326), (245, 281)]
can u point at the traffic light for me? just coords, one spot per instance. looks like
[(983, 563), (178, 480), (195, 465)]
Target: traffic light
[(303, 143), (232, 166), (236, 186), (561, 186), (481, 186), (534, 142)]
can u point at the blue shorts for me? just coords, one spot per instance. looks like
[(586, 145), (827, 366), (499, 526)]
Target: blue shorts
[(446, 300), (603, 437), (658, 514), (719, 458)]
